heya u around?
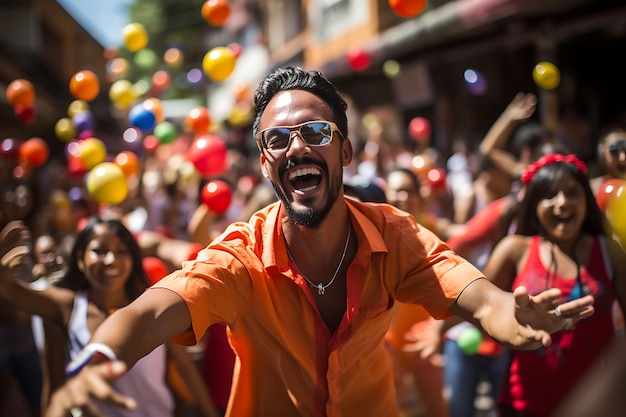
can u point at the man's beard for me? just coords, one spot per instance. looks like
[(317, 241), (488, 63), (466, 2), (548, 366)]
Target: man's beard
[(307, 217)]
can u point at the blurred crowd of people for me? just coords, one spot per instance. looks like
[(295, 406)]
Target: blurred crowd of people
[(480, 201)]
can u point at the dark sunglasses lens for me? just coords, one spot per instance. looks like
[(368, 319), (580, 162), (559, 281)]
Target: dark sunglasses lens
[(316, 133), (276, 139)]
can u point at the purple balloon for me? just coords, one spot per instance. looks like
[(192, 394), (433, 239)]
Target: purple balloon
[(85, 134), (83, 120)]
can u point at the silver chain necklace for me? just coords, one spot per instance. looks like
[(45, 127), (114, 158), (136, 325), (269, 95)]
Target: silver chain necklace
[(321, 289)]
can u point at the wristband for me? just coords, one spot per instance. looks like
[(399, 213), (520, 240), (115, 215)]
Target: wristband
[(88, 353)]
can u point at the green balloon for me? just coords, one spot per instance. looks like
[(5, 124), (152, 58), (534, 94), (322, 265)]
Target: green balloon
[(145, 58), (165, 132), (469, 340)]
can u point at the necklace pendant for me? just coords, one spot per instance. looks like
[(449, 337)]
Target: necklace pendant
[(320, 289)]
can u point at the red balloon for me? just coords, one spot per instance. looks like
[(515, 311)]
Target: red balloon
[(217, 196), (419, 129), (607, 191), (110, 52), (436, 178), (208, 154), (34, 152), (358, 58), (408, 8), (75, 167), (160, 81), (25, 114), (150, 143), (10, 149), (155, 268)]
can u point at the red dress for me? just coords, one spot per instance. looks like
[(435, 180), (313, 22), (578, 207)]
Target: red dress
[(539, 380)]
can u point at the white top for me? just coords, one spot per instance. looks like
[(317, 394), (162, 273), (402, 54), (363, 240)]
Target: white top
[(145, 382)]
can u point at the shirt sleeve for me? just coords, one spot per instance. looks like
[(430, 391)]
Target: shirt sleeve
[(215, 287), (435, 275)]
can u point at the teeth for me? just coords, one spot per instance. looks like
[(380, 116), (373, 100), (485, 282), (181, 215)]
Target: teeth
[(304, 171), (304, 190)]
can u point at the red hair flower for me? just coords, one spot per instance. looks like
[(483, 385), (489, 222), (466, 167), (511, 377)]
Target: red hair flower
[(549, 159)]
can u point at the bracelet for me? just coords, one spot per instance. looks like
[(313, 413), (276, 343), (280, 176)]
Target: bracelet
[(85, 355)]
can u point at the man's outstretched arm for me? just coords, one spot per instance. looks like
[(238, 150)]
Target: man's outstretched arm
[(130, 333)]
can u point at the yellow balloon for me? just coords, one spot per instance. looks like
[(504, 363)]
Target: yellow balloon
[(391, 68), (615, 209), (65, 129), (219, 63), (240, 115), (92, 152), (121, 93), (106, 183), (546, 75), (135, 36), (77, 106)]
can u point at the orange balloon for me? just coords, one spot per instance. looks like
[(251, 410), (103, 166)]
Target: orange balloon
[(198, 120), (408, 8), (216, 12), (85, 85), (128, 161), (173, 57), (20, 92), (34, 152), (241, 92)]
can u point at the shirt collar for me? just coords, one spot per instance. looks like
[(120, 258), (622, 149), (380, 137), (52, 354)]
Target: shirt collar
[(274, 253)]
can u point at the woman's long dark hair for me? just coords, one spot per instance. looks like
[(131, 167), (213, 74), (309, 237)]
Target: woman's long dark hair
[(75, 278), (541, 186)]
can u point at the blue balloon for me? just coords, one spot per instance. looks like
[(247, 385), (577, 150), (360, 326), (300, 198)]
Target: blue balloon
[(83, 120), (141, 118)]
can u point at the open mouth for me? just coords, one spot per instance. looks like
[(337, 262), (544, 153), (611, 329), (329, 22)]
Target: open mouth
[(304, 180), (563, 220), (111, 273)]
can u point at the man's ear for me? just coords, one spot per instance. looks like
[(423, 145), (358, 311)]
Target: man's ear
[(347, 152), (262, 161)]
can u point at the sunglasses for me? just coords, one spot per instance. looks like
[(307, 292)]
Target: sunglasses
[(315, 133), (616, 147)]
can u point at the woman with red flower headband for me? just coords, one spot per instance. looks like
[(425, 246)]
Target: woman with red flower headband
[(559, 243)]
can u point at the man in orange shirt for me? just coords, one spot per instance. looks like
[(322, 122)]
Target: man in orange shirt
[(307, 286)]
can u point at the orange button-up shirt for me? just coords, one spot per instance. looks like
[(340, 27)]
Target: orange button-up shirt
[(288, 362)]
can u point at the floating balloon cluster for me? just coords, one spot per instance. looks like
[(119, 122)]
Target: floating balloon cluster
[(106, 175)]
